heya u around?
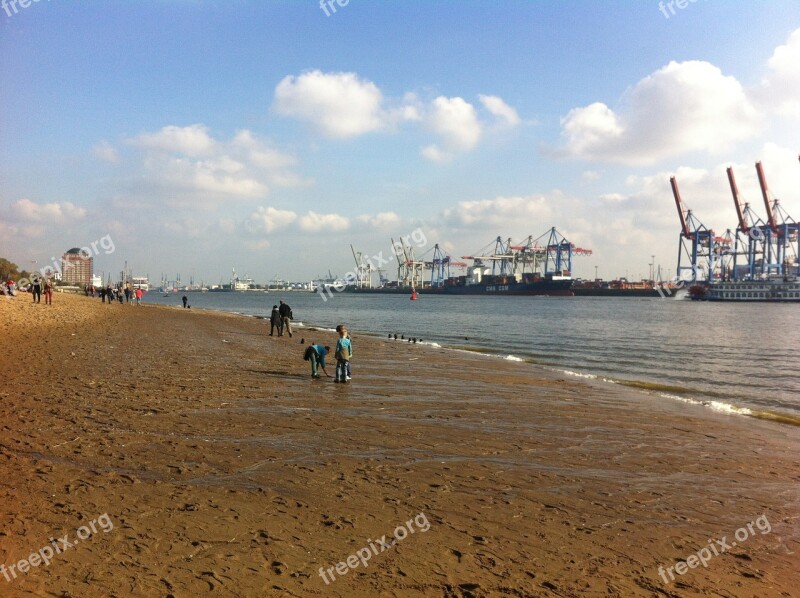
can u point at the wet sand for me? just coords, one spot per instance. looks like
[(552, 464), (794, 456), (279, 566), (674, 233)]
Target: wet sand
[(226, 471)]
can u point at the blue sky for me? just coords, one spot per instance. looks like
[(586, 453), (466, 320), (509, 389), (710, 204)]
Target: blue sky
[(268, 136)]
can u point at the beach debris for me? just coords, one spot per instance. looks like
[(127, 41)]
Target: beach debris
[(302, 341)]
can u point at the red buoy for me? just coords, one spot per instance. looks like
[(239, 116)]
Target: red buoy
[(413, 294)]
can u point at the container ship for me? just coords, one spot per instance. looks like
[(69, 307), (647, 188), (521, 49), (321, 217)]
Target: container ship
[(537, 266)]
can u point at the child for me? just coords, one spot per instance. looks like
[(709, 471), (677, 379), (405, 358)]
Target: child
[(347, 336), (275, 321), (344, 352), (316, 355)]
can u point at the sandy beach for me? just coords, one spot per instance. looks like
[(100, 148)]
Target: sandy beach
[(186, 453)]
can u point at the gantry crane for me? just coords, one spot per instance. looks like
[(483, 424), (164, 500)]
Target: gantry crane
[(696, 243)]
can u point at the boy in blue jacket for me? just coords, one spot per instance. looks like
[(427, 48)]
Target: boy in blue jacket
[(316, 355), (343, 354)]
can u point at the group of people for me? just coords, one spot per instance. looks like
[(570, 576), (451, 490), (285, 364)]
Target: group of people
[(281, 319), (343, 355), (37, 287), (112, 294)]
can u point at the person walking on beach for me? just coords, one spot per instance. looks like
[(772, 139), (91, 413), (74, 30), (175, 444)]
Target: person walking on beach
[(286, 318), (275, 321), (109, 293), (185, 300), (36, 288), (339, 328), (316, 355), (138, 294), (48, 292), (343, 354)]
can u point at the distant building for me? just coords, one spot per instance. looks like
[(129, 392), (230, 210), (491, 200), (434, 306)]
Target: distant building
[(76, 267)]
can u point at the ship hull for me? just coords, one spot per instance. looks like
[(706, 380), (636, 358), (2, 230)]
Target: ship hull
[(771, 290), (549, 288)]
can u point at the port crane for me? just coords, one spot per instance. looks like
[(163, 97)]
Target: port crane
[(550, 254), (440, 266), (696, 244), (750, 236), (364, 270), (782, 234)]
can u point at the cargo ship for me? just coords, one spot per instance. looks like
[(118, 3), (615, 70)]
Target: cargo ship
[(541, 266)]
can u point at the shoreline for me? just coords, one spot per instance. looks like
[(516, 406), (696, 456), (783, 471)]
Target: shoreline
[(225, 469), (664, 391)]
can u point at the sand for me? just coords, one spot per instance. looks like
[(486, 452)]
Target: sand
[(190, 454)]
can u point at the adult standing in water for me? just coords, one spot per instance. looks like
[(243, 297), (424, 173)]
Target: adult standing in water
[(286, 317)]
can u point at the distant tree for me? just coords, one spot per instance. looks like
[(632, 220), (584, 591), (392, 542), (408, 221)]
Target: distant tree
[(10, 270)]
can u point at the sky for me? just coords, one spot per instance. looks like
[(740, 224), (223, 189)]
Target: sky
[(200, 136)]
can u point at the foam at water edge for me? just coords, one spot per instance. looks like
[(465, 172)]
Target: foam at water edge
[(717, 406), (513, 358), (579, 375), (725, 408)]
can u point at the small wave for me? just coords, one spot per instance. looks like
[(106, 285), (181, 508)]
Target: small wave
[(513, 358), (579, 375), (721, 407), (654, 386)]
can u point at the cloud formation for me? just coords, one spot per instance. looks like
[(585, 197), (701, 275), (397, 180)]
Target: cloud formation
[(683, 107), (25, 210), (337, 104), (189, 166)]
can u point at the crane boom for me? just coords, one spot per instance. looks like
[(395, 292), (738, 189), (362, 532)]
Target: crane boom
[(681, 212), (762, 181), (736, 201)]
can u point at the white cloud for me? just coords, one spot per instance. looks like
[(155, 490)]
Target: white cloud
[(220, 176), (269, 219), (313, 222), (106, 152), (338, 104), (456, 122), (26, 210), (683, 107), (193, 140), (500, 109), (781, 87), (500, 213), (192, 168), (381, 220)]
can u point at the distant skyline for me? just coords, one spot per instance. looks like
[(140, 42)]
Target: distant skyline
[(269, 136)]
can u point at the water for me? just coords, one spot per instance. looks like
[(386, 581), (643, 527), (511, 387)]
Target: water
[(727, 355)]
